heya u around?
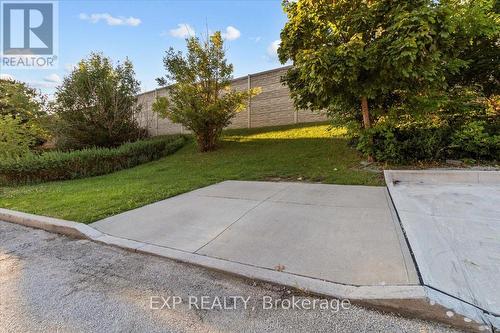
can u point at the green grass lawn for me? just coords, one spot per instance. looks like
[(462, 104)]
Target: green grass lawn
[(295, 153)]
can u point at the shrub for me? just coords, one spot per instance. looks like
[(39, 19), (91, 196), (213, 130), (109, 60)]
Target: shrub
[(473, 140), (458, 123), (83, 163), (414, 141), (425, 141), (95, 106)]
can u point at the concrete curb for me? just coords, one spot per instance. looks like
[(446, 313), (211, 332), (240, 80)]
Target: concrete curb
[(441, 176), (411, 300), (68, 228)]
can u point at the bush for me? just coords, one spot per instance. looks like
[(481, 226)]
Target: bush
[(96, 105), (417, 141), (89, 162), (473, 140), (409, 142), (458, 123)]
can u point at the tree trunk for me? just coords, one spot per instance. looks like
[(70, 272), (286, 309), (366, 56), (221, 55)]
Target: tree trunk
[(366, 113), (366, 119), (207, 141)]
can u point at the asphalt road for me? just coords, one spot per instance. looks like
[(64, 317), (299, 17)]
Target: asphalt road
[(50, 283)]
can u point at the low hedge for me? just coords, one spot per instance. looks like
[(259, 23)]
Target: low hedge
[(421, 142), (83, 163)]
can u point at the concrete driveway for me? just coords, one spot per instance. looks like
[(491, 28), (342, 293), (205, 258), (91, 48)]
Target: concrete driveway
[(452, 221), (344, 234)]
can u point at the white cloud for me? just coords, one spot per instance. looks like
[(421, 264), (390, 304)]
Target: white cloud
[(256, 39), (42, 84), (49, 82), (183, 30), (110, 20), (231, 33), (69, 67), (6, 77), (272, 49), (52, 78)]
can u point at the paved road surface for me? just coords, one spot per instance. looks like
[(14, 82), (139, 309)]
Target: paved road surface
[(51, 283)]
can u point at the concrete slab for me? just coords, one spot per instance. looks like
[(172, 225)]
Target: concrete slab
[(242, 190), (334, 195), (331, 243), (452, 200), (185, 222), (454, 231), (344, 234)]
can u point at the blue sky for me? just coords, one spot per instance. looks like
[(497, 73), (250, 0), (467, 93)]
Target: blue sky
[(143, 29)]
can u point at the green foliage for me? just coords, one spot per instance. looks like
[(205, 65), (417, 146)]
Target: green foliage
[(423, 65), (344, 50), (455, 124), (96, 105), (473, 140), (477, 29), (403, 143), (16, 138), (89, 162), (28, 107), (20, 101), (200, 97)]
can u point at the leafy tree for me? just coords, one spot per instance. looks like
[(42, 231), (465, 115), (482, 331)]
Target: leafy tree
[(96, 105), (200, 97), (16, 138), (24, 108), (20, 101), (477, 30), (348, 54)]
